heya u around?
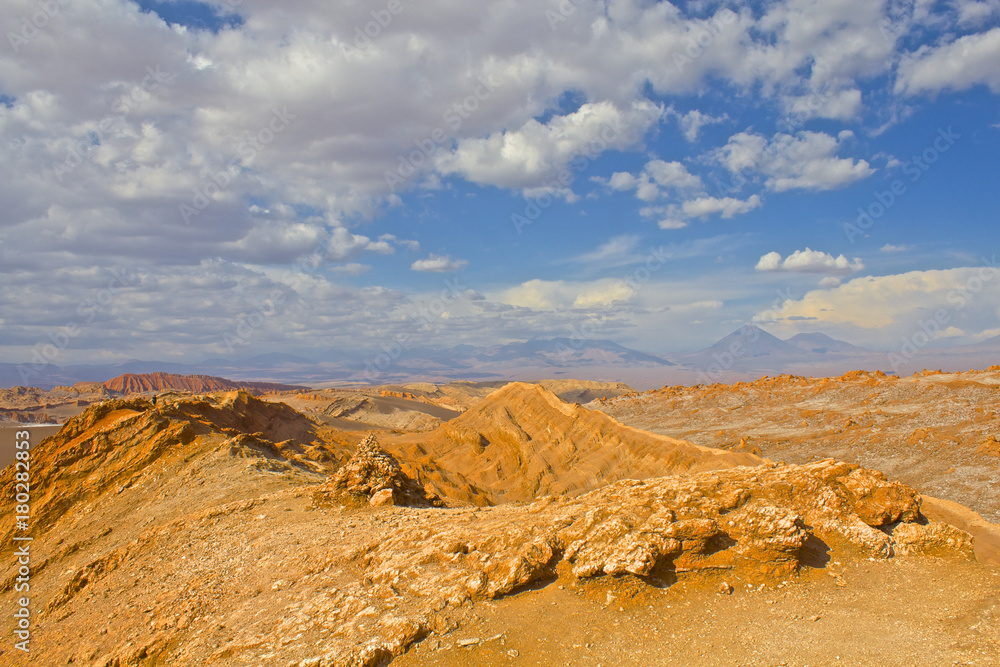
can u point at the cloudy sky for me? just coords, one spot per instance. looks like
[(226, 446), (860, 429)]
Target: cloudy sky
[(180, 180)]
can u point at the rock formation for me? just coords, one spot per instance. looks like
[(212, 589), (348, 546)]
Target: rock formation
[(934, 431), (522, 441), (230, 531), (373, 476), (131, 383)]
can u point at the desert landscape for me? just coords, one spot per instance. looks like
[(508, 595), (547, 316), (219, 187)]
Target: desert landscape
[(507, 523), (596, 333)]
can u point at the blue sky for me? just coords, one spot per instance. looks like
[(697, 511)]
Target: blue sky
[(186, 179)]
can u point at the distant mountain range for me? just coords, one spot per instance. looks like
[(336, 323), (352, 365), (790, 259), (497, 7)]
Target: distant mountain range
[(746, 354)]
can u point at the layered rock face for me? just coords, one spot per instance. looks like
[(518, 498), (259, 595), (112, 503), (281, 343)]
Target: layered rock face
[(131, 383)]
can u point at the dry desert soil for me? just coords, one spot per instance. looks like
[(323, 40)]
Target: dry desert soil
[(752, 524)]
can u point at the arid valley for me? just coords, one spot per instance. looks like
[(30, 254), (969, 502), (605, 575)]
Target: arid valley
[(787, 521)]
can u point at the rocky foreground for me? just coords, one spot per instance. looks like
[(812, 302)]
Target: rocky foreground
[(229, 531)]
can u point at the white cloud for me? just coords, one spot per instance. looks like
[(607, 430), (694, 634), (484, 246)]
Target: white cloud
[(890, 248), (561, 294), (140, 150), (438, 264), (692, 122), (534, 154), (656, 177), (622, 180), (806, 160), (672, 223), (975, 13), (809, 261), (844, 104), (727, 206), (958, 65), (885, 308), (344, 245)]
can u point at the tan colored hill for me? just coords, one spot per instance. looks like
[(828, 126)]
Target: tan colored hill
[(131, 383), (184, 543), (522, 441), (935, 431), (113, 446), (226, 530)]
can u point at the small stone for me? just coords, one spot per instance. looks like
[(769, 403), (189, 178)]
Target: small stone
[(513, 653), (463, 643), (725, 588), (382, 497)]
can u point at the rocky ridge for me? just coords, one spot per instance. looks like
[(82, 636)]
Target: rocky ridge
[(229, 531), (934, 431)]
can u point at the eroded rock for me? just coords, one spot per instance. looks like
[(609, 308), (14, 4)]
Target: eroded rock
[(372, 475)]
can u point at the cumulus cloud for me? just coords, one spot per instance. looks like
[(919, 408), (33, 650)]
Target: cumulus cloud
[(958, 65), (975, 13), (536, 153), (439, 264), (692, 122), (884, 309), (809, 261), (656, 179), (728, 207), (562, 294), (806, 160), (278, 133)]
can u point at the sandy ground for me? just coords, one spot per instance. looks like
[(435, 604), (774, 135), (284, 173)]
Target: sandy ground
[(940, 613)]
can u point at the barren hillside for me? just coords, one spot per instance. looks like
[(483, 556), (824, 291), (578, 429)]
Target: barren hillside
[(522, 441), (937, 432), (225, 530)]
